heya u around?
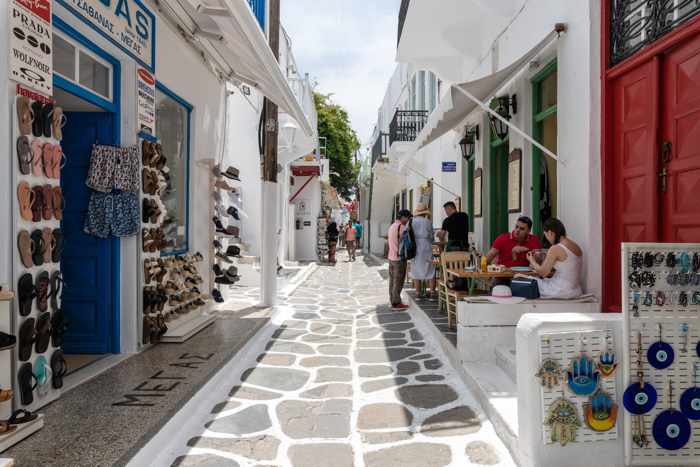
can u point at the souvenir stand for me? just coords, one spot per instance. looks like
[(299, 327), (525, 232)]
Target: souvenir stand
[(661, 306)]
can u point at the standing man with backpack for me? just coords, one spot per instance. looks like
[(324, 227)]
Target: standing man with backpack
[(397, 263)]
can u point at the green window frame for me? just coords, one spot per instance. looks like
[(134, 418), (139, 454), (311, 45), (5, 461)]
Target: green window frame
[(539, 114)]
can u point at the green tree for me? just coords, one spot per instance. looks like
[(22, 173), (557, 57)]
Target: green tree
[(341, 143)]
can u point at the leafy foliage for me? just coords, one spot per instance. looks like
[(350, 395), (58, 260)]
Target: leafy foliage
[(341, 143)]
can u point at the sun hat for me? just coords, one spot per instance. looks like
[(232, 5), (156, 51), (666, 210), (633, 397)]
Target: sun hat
[(421, 209), (503, 295)]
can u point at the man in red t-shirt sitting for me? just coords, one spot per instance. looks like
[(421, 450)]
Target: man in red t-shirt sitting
[(511, 248)]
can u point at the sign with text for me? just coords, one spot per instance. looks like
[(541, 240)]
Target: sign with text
[(449, 166), (146, 101), (31, 58), (129, 24)]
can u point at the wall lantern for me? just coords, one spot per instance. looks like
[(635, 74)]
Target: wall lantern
[(502, 108), (468, 143)]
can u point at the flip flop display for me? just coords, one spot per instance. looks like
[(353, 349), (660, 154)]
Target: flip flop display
[(59, 367), (27, 335), (27, 383)]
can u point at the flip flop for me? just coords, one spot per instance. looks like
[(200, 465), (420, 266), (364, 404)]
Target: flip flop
[(37, 123), (26, 339), (47, 159), (59, 326), (24, 155), (57, 203), (36, 157), (25, 378), (59, 120), (21, 416), (46, 119), (26, 248), (58, 161), (59, 368), (25, 197), (56, 284), (6, 395), (38, 206), (47, 198), (57, 246), (43, 332), (25, 116), (38, 247), (48, 241), (42, 290), (6, 428), (25, 293)]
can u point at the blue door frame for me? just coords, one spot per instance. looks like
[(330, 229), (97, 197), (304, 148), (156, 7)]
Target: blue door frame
[(114, 108)]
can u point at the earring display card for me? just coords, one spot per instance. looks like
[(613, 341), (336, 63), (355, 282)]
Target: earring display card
[(579, 353), (661, 306)]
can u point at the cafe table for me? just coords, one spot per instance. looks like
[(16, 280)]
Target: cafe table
[(473, 275)]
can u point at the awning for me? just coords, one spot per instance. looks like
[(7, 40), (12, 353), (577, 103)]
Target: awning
[(233, 32), (456, 105)]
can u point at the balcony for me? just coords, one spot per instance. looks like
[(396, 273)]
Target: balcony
[(258, 7), (406, 125), (403, 10), (379, 150)]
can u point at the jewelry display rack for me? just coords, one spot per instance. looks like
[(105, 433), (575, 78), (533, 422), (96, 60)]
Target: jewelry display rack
[(661, 307)]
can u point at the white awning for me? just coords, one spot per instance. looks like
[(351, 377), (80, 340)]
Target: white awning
[(454, 108), (235, 35)]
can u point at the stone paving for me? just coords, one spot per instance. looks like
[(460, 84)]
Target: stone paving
[(344, 381)]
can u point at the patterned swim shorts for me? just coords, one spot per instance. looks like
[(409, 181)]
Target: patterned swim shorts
[(113, 167), (113, 214)]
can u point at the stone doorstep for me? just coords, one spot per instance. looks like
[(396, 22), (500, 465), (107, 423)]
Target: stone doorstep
[(493, 389), (506, 360)]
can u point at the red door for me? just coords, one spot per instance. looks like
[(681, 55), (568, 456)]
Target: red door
[(635, 199), (680, 144)]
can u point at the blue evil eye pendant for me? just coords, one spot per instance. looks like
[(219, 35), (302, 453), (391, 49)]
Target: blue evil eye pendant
[(671, 429), (583, 376), (660, 354), (640, 397), (690, 398)]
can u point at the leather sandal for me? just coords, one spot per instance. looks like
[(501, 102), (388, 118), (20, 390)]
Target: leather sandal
[(42, 285), (47, 159), (47, 197), (24, 155), (58, 161), (38, 205), (36, 158), (25, 116), (59, 326), (49, 242), (43, 332), (26, 339), (37, 237), (25, 197), (57, 202), (26, 248), (58, 121)]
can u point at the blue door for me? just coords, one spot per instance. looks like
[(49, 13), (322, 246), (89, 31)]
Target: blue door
[(89, 264)]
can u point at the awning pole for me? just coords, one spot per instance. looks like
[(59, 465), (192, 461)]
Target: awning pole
[(529, 138)]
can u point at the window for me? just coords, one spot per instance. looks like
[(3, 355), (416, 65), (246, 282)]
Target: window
[(82, 67), (173, 130), (432, 92), (412, 93), (421, 91), (410, 200)]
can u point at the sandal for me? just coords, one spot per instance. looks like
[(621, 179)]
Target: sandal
[(36, 157), (47, 239), (47, 196), (25, 116), (38, 250), (57, 250), (59, 326), (25, 197), (38, 206), (59, 367), (59, 120), (42, 290), (6, 395), (26, 248), (57, 162), (46, 119), (21, 416), (43, 333), (47, 159), (26, 339), (57, 203), (25, 378), (56, 283), (24, 155), (37, 123), (25, 294)]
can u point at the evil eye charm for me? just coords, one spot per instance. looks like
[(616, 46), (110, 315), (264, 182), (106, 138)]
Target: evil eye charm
[(660, 355), (607, 364), (600, 413), (690, 403), (671, 430), (583, 377), (639, 400)]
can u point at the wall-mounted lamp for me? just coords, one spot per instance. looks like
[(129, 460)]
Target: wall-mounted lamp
[(503, 106), (468, 143)]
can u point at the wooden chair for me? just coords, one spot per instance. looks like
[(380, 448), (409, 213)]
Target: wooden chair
[(452, 260)]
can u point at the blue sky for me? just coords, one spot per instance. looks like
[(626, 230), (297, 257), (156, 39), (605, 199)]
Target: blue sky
[(348, 47)]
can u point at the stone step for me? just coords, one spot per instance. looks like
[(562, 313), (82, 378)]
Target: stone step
[(505, 359)]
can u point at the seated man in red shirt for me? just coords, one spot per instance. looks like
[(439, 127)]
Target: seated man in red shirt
[(511, 248)]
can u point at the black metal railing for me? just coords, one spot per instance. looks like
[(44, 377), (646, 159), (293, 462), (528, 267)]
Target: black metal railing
[(635, 24), (403, 11), (406, 125), (381, 145)]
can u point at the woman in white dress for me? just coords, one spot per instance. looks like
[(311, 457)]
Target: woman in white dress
[(564, 258), (422, 268)]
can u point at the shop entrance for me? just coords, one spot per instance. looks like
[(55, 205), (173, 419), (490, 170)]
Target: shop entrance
[(86, 87), (656, 154), (498, 188)]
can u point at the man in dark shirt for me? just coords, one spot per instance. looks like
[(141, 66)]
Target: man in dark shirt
[(456, 227)]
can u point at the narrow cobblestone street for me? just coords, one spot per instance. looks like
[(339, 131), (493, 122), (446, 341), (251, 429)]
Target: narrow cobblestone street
[(344, 381)]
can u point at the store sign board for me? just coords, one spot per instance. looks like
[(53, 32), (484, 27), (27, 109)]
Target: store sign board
[(146, 101), (449, 166), (129, 24), (31, 59)]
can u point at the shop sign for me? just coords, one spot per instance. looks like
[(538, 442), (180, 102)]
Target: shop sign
[(305, 170), (35, 96), (129, 24), (31, 60), (146, 101), (449, 166)]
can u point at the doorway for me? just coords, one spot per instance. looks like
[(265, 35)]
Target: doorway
[(498, 188), (86, 83), (655, 155)]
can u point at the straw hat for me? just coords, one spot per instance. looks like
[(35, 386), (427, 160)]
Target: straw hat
[(421, 209), (503, 295)]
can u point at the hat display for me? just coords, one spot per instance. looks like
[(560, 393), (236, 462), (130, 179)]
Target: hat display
[(421, 208), (503, 295)]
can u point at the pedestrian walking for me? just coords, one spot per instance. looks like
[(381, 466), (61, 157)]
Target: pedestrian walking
[(422, 267), (332, 235), (350, 235), (358, 235), (397, 265)]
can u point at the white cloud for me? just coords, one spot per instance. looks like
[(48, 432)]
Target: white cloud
[(349, 47)]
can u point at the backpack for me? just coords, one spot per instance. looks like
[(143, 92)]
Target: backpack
[(407, 243)]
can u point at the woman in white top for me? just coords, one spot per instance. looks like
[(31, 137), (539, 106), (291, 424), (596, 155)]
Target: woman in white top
[(564, 258)]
